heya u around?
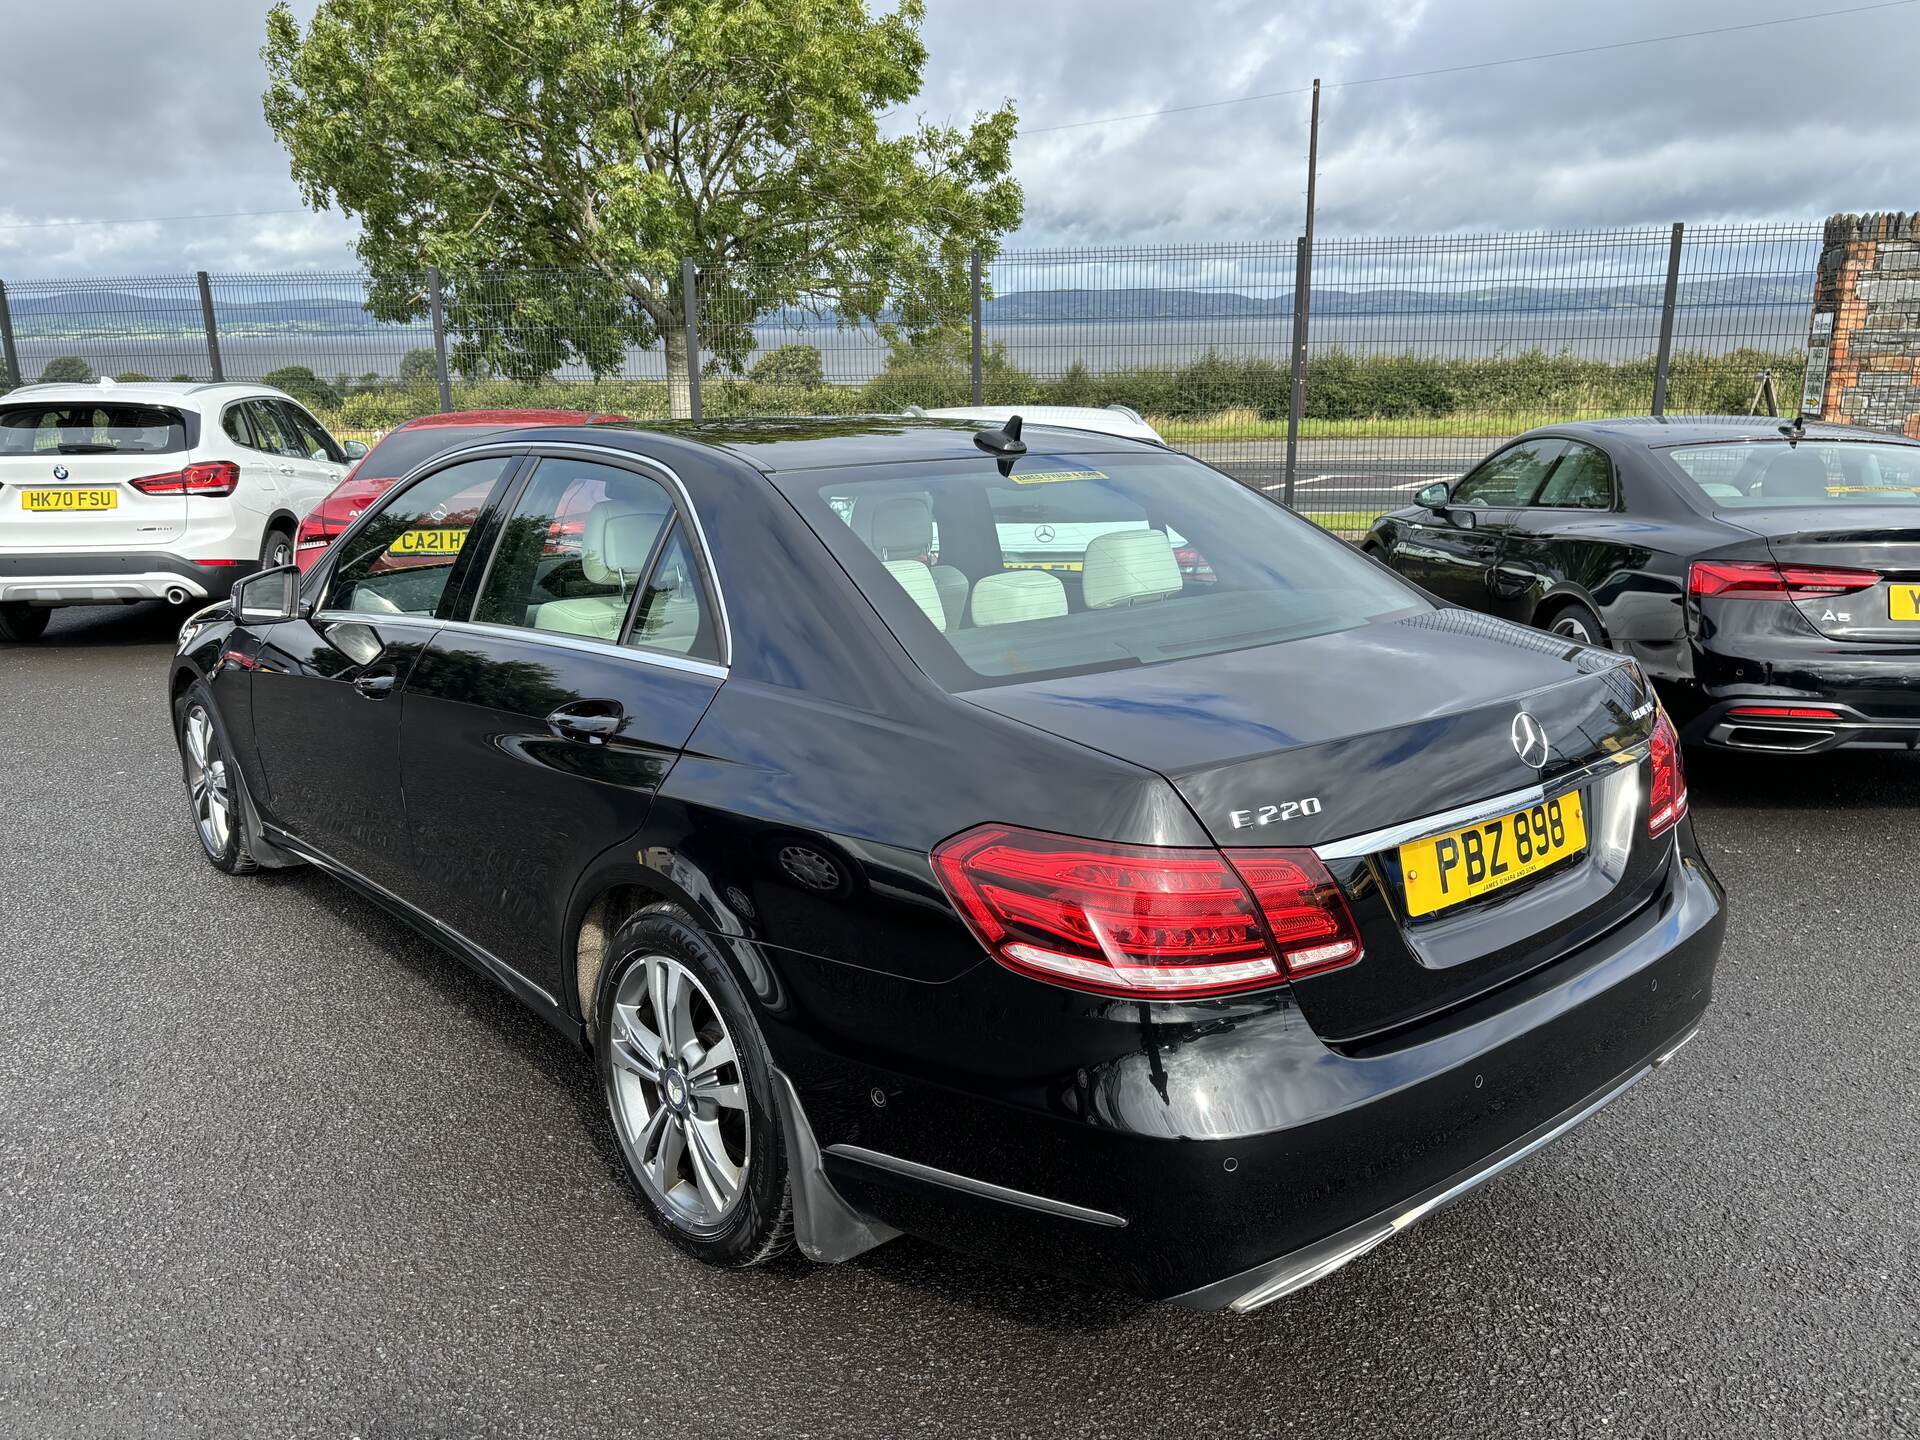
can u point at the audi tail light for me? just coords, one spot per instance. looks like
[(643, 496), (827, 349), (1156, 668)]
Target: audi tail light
[(210, 478), (1667, 798), (1744, 580), (1784, 712), (1146, 921)]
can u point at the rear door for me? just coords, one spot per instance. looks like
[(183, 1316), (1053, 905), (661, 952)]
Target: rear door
[(67, 469), (1453, 551), (537, 733)]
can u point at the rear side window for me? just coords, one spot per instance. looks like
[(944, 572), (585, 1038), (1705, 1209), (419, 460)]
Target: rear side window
[(398, 561), (90, 428), (1077, 563), (1583, 480), (274, 430)]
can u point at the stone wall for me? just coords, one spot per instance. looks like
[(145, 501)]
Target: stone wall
[(1863, 356)]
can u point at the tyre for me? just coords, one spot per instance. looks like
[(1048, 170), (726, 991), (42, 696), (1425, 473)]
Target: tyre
[(276, 549), (23, 623), (1579, 624), (215, 787), (689, 1088)]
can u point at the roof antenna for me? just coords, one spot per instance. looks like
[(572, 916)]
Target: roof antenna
[(1004, 443), (1797, 431)]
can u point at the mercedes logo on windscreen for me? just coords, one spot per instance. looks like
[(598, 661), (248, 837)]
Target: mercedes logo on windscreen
[(1530, 740)]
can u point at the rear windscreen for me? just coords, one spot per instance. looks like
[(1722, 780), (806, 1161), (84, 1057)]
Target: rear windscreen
[(90, 428), (1076, 563), (401, 450), (1811, 472)]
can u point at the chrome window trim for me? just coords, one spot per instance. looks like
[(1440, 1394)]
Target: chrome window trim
[(664, 659), (1354, 847)]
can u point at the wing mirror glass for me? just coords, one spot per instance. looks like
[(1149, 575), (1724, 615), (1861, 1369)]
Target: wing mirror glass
[(1432, 497), (270, 595), (353, 449)]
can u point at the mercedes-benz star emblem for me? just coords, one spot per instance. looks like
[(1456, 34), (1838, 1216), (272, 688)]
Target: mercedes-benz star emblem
[(1043, 533), (1530, 740)]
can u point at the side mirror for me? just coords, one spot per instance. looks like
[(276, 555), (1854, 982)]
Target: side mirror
[(353, 449), (1432, 497), (271, 595)]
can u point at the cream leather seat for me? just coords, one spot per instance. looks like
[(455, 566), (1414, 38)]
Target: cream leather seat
[(1127, 567), (917, 580), (1018, 595), (900, 527), (614, 550)]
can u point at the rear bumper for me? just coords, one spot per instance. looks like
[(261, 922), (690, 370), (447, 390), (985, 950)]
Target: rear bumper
[(1875, 688), (1224, 1155), (92, 579)]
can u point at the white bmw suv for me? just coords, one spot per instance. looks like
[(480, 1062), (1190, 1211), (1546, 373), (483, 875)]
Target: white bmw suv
[(113, 493)]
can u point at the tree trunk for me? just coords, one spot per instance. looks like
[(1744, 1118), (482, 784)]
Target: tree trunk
[(679, 372)]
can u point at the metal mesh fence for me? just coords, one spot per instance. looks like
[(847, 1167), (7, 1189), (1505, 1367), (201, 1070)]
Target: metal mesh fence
[(1421, 353)]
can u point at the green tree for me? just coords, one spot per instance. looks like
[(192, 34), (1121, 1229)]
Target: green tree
[(419, 368), (303, 385), (934, 368), (130, 377), (611, 139), (790, 365), (66, 370)]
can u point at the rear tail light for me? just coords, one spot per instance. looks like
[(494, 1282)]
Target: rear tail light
[(339, 509), (1145, 921), (210, 478), (1782, 712), (1750, 581), (1667, 799)]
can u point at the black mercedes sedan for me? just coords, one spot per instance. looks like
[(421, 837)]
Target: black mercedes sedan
[(1765, 575), (1190, 927)]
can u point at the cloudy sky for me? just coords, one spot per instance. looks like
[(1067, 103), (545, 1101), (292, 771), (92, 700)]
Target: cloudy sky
[(161, 118)]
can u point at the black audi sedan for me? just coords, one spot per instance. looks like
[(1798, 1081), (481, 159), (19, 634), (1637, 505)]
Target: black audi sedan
[(1765, 575), (1189, 927)]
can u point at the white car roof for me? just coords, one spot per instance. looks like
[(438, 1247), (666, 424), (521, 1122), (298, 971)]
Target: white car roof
[(157, 391), (1108, 420)]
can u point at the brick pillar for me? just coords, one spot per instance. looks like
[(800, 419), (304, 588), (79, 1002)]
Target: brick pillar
[(1863, 349)]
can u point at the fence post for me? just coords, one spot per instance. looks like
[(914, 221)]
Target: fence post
[(1297, 382), (213, 331), (14, 377), (437, 307), (975, 370), (689, 279), (1665, 357)]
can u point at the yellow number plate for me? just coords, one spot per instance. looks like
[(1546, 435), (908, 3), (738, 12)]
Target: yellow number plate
[(1903, 602), (42, 501), (428, 542), (1449, 869)]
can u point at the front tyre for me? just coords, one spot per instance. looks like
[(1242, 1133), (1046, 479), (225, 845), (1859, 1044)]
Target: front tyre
[(23, 623), (215, 787), (689, 1089)]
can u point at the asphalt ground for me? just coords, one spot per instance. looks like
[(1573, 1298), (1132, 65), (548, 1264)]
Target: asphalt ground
[(270, 1164)]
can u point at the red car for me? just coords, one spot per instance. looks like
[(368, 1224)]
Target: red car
[(400, 450)]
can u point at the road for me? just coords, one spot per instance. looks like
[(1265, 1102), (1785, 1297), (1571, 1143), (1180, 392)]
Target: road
[(1336, 475), (272, 1164)]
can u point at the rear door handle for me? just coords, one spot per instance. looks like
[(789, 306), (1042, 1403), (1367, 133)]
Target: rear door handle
[(594, 721), (378, 685)]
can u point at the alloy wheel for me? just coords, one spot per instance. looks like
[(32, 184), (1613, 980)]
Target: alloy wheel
[(279, 553), (1574, 628), (679, 1095), (208, 784)]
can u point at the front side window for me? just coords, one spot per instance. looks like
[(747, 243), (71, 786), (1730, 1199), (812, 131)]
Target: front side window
[(594, 551), (1074, 563), (90, 428), (398, 561), (1811, 472), (314, 442), (1581, 480), (1511, 478)]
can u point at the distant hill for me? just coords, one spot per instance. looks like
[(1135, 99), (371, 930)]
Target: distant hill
[(91, 313)]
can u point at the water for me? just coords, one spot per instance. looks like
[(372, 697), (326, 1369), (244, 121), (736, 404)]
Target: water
[(1043, 348)]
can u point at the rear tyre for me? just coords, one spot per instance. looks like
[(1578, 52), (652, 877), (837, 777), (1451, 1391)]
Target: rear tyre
[(276, 549), (689, 1089), (23, 623), (215, 788), (1579, 624)]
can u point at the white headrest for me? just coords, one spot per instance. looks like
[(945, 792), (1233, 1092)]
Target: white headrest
[(895, 527), (1018, 595), (1127, 565), (917, 580), (616, 542)]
